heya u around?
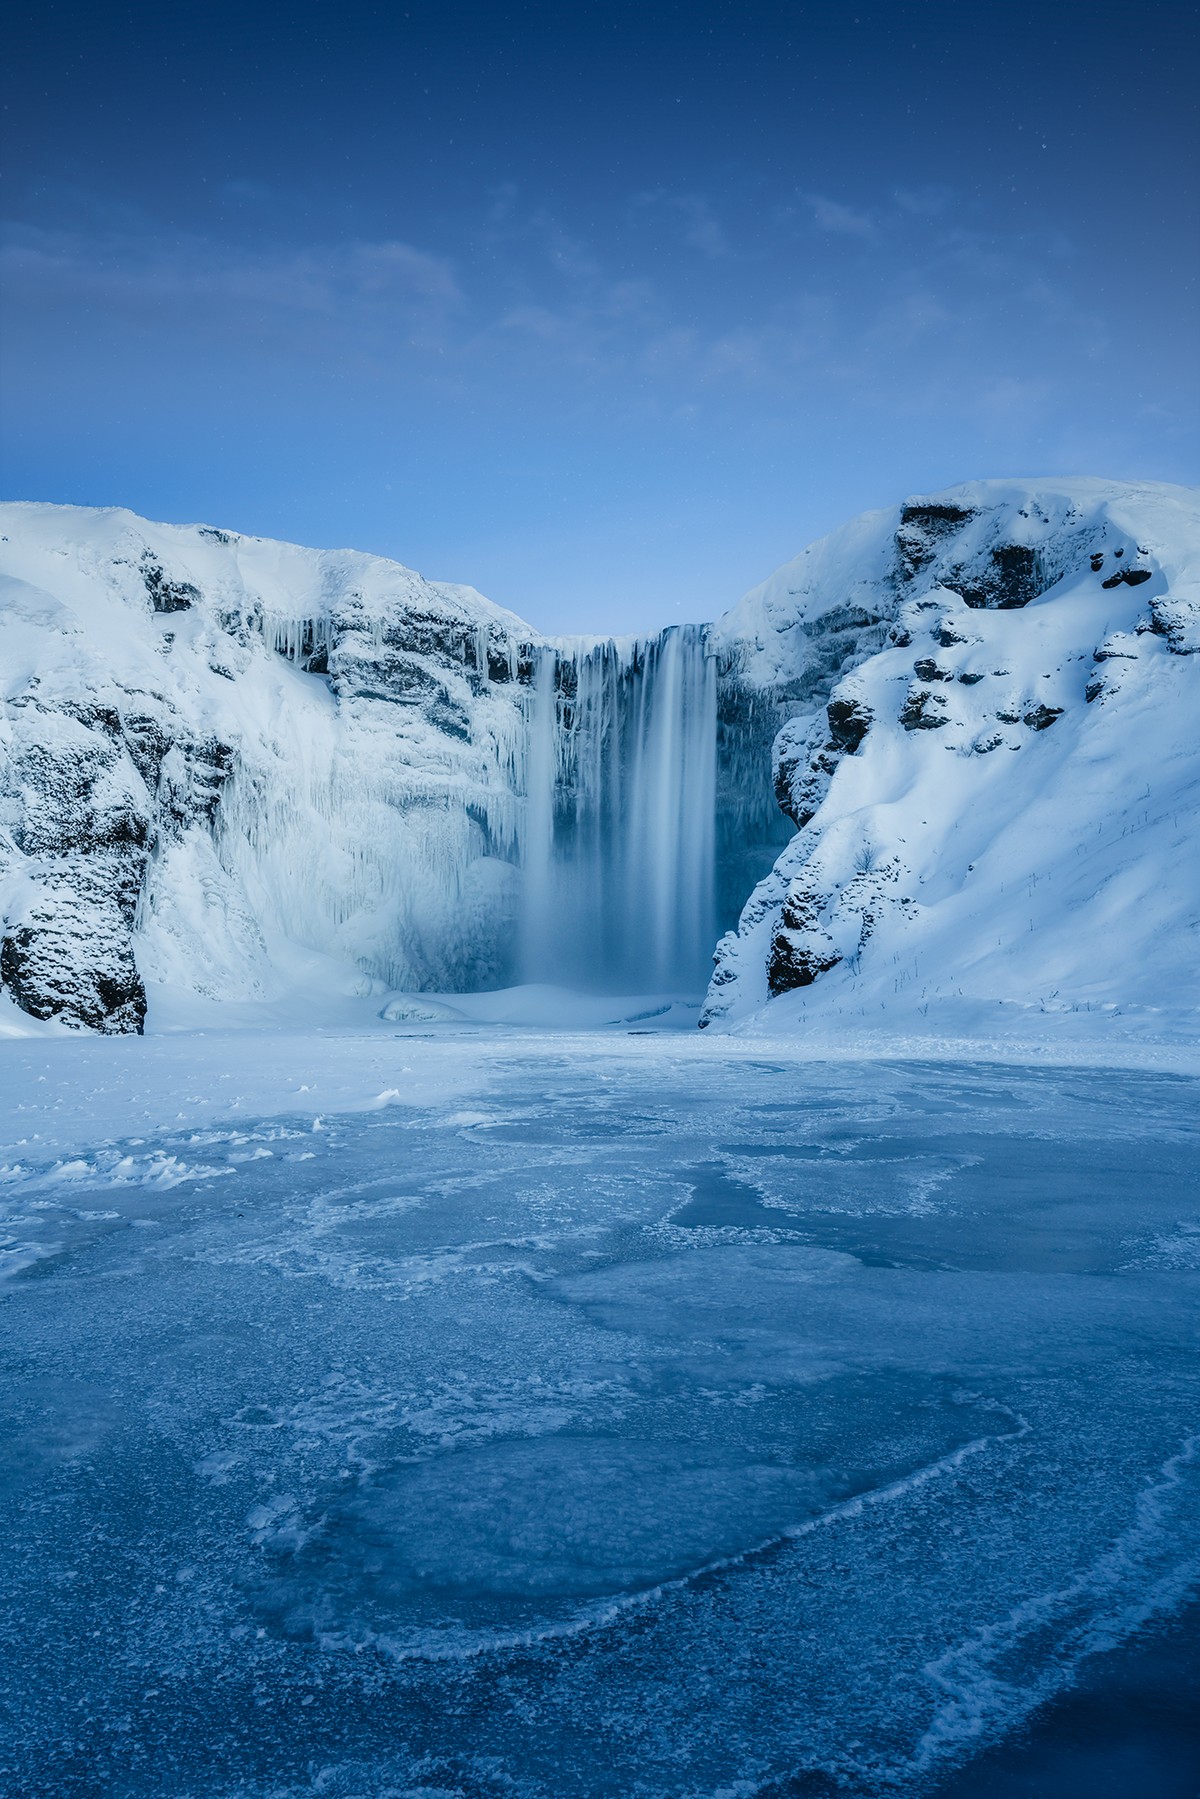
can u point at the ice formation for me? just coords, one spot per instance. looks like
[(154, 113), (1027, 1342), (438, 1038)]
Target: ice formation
[(217, 752), (230, 766)]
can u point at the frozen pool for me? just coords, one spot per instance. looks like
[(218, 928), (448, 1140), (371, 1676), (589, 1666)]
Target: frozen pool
[(614, 1417)]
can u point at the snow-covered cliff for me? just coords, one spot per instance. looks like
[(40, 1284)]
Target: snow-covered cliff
[(237, 768), (213, 747), (994, 763)]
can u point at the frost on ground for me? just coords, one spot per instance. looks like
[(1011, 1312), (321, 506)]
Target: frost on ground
[(441, 1410)]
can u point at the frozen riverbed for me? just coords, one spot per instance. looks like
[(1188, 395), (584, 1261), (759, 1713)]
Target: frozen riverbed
[(477, 1414)]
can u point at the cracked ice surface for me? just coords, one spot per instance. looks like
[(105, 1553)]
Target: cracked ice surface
[(586, 1416)]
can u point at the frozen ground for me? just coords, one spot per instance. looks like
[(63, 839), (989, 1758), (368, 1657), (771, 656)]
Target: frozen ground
[(447, 1409)]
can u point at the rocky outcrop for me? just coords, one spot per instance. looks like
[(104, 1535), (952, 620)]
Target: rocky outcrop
[(89, 795), (801, 948), (923, 710), (1000, 610)]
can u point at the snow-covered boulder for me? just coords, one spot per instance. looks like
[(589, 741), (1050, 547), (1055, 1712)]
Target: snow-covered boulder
[(993, 758)]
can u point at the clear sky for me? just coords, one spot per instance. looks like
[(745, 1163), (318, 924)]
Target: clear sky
[(605, 309)]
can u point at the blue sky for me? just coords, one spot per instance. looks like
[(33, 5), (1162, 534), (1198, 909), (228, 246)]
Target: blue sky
[(605, 309)]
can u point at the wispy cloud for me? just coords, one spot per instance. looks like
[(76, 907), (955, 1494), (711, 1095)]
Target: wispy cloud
[(840, 220), (935, 310), (923, 202), (157, 269)]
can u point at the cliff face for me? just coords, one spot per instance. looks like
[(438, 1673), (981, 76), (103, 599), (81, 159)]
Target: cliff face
[(220, 756), (992, 764), (209, 742)]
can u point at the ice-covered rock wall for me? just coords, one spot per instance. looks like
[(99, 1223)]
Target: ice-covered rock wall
[(992, 764), (218, 751), (214, 747), (232, 767)]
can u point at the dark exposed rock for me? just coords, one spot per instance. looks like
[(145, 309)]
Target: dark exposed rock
[(1097, 561), (499, 667), (74, 961), (89, 793), (165, 595), (926, 669), (849, 721), (450, 717), (947, 635), (800, 949), (1039, 717), (1119, 647), (970, 677), (1012, 577), (797, 960), (93, 716), (1178, 620), (920, 711), (924, 524), (1128, 577)]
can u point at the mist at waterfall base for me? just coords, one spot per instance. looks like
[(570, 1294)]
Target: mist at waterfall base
[(617, 888)]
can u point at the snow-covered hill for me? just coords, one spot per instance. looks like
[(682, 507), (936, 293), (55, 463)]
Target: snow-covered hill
[(994, 765), (236, 769)]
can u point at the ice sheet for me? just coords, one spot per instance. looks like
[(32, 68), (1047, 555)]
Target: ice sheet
[(493, 1413)]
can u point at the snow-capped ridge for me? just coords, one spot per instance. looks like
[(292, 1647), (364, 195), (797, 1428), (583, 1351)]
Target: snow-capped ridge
[(1053, 621)]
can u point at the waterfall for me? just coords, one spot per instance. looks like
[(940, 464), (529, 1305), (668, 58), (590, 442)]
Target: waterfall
[(620, 800)]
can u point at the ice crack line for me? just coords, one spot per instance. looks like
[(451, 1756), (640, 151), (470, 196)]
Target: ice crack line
[(454, 1647), (1119, 1593)]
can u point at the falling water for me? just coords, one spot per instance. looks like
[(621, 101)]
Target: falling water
[(618, 845)]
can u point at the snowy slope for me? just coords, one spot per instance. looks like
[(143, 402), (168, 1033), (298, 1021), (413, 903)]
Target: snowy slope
[(994, 762)]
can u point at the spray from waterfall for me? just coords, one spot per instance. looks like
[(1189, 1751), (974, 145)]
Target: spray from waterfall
[(620, 799)]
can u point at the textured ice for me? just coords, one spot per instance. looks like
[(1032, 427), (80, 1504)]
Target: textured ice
[(590, 1416)]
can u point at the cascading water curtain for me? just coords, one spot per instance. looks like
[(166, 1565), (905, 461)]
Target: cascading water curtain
[(620, 799)]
